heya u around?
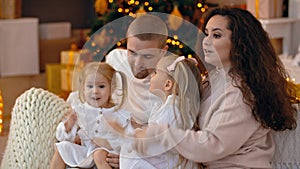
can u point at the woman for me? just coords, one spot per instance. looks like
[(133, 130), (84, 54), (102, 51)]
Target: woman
[(248, 97)]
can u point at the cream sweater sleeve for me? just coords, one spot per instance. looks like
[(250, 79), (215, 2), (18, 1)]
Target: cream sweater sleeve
[(229, 125)]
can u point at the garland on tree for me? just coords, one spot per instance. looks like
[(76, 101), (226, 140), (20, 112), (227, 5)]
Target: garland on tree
[(110, 10)]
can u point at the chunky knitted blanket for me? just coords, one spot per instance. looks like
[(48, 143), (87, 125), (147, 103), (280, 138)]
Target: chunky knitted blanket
[(31, 139), (287, 151)]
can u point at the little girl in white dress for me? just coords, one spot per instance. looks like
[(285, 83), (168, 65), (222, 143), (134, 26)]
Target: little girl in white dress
[(178, 83), (86, 128)]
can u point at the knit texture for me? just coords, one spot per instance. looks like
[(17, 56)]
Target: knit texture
[(287, 152), (31, 139)]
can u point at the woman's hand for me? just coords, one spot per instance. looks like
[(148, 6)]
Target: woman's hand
[(71, 120), (148, 137), (113, 160), (140, 144)]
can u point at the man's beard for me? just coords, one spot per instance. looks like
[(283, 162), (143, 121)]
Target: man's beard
[(141, 74)]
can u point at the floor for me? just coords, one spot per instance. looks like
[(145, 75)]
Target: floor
[(11, 88)]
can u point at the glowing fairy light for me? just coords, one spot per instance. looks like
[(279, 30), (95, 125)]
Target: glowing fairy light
[(199, 5), (1, 112)]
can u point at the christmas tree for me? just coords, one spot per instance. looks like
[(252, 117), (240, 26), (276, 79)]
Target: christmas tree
[(110, 10)]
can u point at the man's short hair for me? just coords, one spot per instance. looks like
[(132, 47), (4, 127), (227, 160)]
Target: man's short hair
[(148, 27)]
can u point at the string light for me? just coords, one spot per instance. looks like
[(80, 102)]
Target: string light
[(119, 43), (1, 112), (199, 5), (130, 2), (173, 42), (120, 10), (131, 14), (146, 3), (136, 2), (150, 8), (110, 1)]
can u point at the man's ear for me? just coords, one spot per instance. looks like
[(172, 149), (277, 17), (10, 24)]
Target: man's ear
[(168, 85), (165, 50)]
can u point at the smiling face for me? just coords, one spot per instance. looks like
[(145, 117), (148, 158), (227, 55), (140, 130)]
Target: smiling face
[(217, 43), (143, 56), (97, 90)]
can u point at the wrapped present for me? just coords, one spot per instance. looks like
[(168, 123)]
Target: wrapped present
[(69, 57), (53, 72), (10, 9), (265, 9), (66, 79), (55, 30), (70, 78)]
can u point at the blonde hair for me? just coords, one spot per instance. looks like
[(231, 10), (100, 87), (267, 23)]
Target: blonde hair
[(188, 87), (108, 72)]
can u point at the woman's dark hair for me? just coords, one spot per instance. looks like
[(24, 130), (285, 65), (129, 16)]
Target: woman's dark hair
[(257, 69)]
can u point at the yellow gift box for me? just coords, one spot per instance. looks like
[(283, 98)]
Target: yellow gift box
[(69, 57), (53, 73), (70, 78), (265, 9)]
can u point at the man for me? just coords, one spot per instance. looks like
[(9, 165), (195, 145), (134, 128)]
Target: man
[(146, 45)]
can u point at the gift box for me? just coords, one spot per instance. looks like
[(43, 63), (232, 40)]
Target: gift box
[(67, 79), (10, 9), (69, 57), (265, 9), (55, 30), (53, 72), (70, 78)]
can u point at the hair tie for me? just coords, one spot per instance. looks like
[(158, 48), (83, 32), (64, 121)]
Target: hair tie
[(193, 60), (172, 66)]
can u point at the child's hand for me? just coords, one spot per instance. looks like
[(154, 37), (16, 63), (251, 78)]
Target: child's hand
[(77, 140), (135, 125), (71, 120)]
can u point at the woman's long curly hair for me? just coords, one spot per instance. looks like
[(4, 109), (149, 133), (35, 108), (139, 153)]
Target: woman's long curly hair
[(258, 70)]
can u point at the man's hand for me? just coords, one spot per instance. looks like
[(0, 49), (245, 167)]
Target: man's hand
[(113, 160)]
